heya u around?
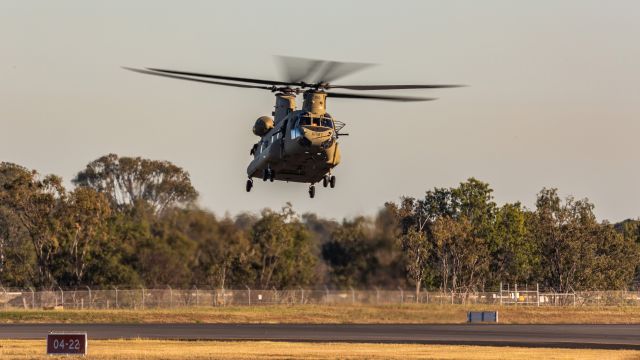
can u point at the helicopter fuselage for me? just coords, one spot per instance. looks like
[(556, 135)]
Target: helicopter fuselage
[(301, 147)]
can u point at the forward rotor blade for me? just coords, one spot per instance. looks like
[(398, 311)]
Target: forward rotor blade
[(391, 87), (221, 77), (296, 70), (378, 97), (148, 72), (312, 71), (334, 70)]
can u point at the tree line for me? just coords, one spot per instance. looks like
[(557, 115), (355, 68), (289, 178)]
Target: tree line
[(134, 222)]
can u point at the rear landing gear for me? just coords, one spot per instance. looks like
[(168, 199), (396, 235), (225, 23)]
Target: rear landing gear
[(329, 180), (312, 191), (249, 185)]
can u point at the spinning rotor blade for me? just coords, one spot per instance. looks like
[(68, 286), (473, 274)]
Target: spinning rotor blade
[(231, 78), (298, 70), (378, 97), (334, 70), (391, 87), (312, 71), (149, 72)]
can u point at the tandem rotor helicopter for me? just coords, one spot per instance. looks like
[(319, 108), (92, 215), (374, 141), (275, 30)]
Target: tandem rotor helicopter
[(299, 145)]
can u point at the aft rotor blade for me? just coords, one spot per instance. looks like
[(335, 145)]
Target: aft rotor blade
[(149, 72), (378, 97), (222, 77), (391, 87)]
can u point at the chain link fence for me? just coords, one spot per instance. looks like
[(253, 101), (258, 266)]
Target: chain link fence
[(88, 298)]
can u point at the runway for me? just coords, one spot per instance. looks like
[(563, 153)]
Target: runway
[(569, 336)]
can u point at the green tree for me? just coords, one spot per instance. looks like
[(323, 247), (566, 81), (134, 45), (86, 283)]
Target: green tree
[(17, 260), (350, 254), (37, 204), (84, 229), (127, 180), (283, 253), (578, 252), (514, 257), (463, 257), (417, 250)]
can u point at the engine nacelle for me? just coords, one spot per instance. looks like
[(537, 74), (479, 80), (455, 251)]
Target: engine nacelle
[(263, 125)]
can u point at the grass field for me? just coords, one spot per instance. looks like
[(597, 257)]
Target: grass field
[(409, 314), (188, 350)]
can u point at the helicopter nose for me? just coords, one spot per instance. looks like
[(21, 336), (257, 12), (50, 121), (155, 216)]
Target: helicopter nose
[(315, 138)]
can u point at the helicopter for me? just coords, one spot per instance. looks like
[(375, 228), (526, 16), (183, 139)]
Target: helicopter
[(298, 145)]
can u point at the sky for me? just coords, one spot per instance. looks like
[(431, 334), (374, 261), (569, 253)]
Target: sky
[(553, 97)]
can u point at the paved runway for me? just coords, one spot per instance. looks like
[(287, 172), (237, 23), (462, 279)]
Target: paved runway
[(571, 336)]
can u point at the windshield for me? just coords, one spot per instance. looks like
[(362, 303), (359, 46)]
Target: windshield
[(324, 121), (305, 120)]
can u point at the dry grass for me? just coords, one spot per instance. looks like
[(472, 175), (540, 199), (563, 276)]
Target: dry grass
[(158, 349), (316, 314)]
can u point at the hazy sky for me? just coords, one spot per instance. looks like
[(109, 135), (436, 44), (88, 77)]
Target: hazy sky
[(554, 98)]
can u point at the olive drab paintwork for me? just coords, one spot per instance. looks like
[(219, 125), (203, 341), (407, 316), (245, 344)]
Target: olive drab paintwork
[(301, 147), (298, 145)]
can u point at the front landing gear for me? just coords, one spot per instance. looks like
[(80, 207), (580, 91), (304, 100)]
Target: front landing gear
[(312, 191), (249, 185), (268, 174)]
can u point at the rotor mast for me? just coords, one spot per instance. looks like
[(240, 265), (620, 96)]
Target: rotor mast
[(315, 102), (285, 104)]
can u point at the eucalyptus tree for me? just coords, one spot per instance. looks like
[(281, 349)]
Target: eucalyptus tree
[(128, 180)]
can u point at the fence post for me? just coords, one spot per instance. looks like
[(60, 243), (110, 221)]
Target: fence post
[(515, 288), (90, 302), (197, 301), (6, 299), (115, 287), (142, 291), (326, 294), (170, 296), (500, 293), (401, 295), (33, 298), (353, 295), (377, 295), (61, 296), (249, 294), (301, 296), (538, 294)]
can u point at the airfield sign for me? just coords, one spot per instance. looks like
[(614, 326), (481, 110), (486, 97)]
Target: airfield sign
[(66, 343)]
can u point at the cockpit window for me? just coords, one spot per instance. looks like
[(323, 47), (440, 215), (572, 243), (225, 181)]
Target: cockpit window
[(304, 120), (324, 121)]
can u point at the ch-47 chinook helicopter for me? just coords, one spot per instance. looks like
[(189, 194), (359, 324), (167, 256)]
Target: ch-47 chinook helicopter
[(299, 145)]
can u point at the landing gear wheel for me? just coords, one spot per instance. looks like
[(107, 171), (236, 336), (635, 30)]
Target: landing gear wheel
[(325, 181), (272, 175), (332, 181), (312, 191), (249, 185)]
